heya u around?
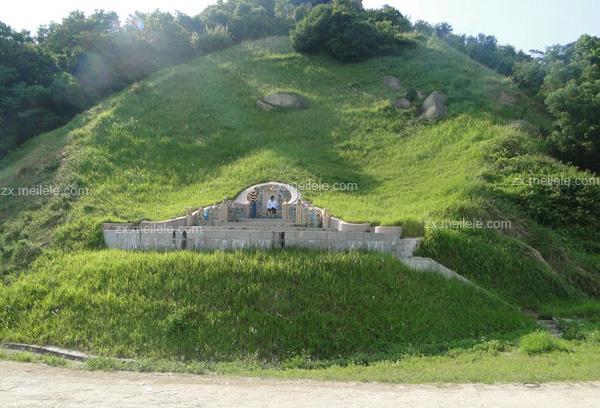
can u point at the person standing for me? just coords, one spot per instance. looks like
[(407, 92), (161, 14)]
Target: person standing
[(252, 197)]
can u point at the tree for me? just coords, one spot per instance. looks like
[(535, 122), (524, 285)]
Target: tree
[(572, 90), (28, 76), (344, 31), (249, 19), (391, 15), (529, 74)]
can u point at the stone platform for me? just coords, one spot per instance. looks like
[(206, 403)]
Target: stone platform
[(263, 234), (298, 224)]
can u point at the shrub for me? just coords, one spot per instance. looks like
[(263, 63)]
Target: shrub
[(212, 39), (540, 342), (553, 193), (54, 361), (343, 32), (492, 346), (593, 336)]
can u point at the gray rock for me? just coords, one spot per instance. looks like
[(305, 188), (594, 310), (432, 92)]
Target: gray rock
[(401, 103), (506, 99), (434, 107), (392, 82), (280, 100), (260, 104)]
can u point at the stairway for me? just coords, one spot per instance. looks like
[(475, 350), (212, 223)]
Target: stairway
[(406, 247)]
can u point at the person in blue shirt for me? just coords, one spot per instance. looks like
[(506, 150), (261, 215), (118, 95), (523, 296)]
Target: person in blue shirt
[(272, 207)]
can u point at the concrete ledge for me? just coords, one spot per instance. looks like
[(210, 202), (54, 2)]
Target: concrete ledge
[(113, 226), (50, 350), (395, 231), (349, 227), (428, 264)]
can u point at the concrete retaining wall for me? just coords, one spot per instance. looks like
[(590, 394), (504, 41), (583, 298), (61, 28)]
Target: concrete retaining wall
[(428, 264), (210, 238)]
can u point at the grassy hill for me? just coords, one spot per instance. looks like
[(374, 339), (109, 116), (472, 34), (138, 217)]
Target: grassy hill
[(191, 134), (272, 305)]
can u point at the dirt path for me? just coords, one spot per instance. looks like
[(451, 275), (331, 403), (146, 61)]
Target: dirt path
[(35, 385)]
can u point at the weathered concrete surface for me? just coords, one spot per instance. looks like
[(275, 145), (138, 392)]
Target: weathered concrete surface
[(199, 238), (50, 350), (428, 264), (32, 386), (389, 230)]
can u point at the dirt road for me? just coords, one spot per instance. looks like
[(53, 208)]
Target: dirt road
[(35, 385)]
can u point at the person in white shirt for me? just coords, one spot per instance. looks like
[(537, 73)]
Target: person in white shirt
[(272, 207)]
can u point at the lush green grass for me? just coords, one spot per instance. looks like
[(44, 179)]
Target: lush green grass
[(541, 342), (222, 305), (488, 362), (582, 363), (191, 135)]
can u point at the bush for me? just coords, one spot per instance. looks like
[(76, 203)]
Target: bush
[(593, 336), (492, 346), (554, 194), (344, 33), (540, 342), (54, 361), (213, 39)]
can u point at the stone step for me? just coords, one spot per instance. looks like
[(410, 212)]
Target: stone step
[(552, 326), (411, 241), (401, 244)]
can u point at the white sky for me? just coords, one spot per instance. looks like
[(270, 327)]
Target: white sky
[(524, 23)]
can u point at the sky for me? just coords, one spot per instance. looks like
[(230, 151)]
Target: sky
[(526, 24)]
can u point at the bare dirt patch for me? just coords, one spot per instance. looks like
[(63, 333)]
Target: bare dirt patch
[(36, 385)]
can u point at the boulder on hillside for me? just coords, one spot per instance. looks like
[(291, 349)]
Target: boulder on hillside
[(401, 103), (506, 99), (392, 82), (434, 107), (281, 100)]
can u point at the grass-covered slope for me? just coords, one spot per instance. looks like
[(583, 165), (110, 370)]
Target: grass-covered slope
[(191, 134), (223, 305)]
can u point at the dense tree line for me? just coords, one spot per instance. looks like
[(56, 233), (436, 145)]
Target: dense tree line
[(68, 66), (482, 47), (568, 79)]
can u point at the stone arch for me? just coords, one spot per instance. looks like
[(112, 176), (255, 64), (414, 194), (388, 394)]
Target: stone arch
[(284, 192)]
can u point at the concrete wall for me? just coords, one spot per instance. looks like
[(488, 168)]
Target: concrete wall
[(212, 238), (428, 264)]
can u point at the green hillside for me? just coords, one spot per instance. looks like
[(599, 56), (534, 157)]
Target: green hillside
[(230, 305), (191, 135)]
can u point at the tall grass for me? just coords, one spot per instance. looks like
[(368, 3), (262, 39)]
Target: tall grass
[(191, 134), (224, 305)]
